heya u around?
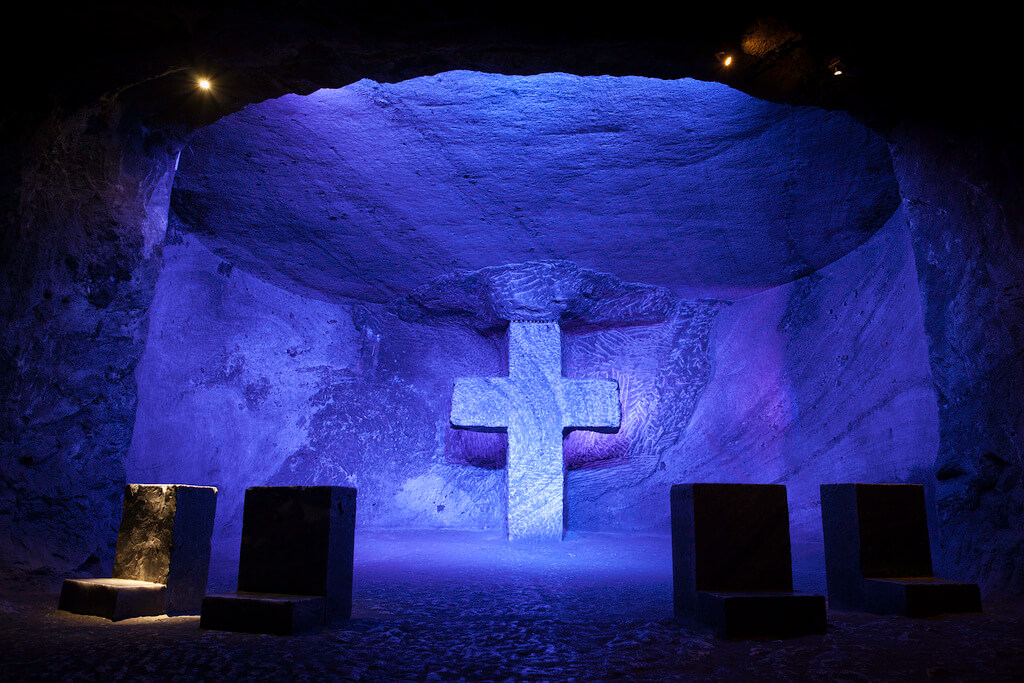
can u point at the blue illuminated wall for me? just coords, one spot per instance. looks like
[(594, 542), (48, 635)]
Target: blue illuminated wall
[(786, 345)]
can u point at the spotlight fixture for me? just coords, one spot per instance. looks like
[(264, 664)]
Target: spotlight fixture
[(835, 67), (204, 84), (724, 58)]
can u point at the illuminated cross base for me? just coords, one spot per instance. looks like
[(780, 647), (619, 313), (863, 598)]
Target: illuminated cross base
[(535, 404)]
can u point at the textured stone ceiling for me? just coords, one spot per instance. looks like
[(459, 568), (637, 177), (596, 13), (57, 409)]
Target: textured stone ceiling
[(372, 190)]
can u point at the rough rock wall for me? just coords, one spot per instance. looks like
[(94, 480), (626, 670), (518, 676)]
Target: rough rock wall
[(371, 190), (822, 380), (244, 384), (78, 282), (963, 198), (619, 482)]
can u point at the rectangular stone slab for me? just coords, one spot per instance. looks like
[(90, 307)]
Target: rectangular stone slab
[(164, 537), (921, 598), (872, 530), (281, 615), (299, 540), (728, 537), (762, 615), (113, 599)]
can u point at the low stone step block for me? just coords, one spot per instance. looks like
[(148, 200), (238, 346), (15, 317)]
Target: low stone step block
[(732, 562), (921, 597), (762, 615), (113, 599), (729, 538), (275, 614)]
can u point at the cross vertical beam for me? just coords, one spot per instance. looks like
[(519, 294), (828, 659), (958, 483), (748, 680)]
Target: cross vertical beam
[(535, 404)]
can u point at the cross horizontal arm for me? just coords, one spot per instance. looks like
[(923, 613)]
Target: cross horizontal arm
[(480, 402), (590, 403)]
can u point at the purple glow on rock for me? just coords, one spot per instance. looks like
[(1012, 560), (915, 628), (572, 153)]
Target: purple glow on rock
[(590, 448)]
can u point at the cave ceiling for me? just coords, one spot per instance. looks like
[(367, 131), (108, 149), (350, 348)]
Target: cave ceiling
[(372, 190)]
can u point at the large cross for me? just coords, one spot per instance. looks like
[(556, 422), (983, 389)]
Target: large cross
[(535, 404)]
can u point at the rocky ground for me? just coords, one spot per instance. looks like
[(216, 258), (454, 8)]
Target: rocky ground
[(464, 606)]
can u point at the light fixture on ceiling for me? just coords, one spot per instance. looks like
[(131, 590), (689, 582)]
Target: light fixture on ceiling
[(724, 58), (835, 67)]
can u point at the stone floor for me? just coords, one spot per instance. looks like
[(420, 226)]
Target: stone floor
[(467, 606)]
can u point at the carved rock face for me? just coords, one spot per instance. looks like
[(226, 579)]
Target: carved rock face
[(146, 533), (372, 190), (370, 244), (75, 345)]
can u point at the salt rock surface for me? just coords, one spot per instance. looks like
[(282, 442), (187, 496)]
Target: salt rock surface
[(719, 257), (823, 379), (536, 291), (373, 190)]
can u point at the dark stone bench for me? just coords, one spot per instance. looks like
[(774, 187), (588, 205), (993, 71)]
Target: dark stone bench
[(162, 559), (295, 566), (878, 556), (732, 564)]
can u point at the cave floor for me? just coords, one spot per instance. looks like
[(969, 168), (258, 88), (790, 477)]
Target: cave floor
[(467, 606)]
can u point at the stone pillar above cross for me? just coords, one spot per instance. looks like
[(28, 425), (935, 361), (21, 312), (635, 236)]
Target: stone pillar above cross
[(535, 404)]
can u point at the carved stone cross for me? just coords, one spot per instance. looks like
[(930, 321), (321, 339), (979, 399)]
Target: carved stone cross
[(535, 404)]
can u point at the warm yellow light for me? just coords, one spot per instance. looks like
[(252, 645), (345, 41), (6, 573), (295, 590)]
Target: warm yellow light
[(204, 83), (728, 60), (837, 72)]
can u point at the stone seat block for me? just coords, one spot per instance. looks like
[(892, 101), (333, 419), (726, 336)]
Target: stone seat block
[(878, 554), (921, 597), (782, 614), (164, 537), (162, 557), (295, 562), (113, 599), (275, 614), (732, 562)]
